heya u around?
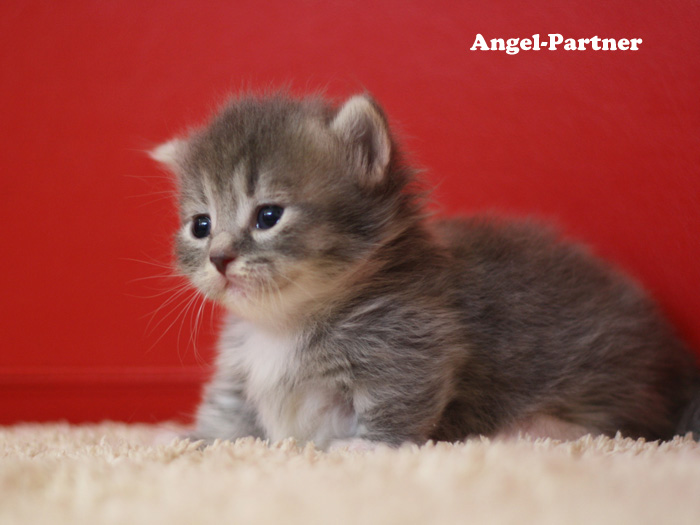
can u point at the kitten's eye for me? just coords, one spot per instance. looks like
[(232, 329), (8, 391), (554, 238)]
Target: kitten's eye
[(268, 216), (201, 226)]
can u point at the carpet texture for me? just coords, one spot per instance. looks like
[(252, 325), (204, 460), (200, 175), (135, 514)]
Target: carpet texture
[(115, 474)]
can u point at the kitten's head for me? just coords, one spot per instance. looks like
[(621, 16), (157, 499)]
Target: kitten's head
[(283, 201)]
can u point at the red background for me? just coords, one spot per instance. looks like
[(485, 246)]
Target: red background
[(603, 143)]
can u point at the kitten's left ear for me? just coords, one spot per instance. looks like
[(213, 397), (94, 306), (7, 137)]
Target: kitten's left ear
[(361, 125), (169, 154)]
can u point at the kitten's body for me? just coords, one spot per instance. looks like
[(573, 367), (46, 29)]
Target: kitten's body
[(354, 317)]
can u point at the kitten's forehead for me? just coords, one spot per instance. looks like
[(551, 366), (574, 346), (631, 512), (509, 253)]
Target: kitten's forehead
[(260, 150), (274, 177)]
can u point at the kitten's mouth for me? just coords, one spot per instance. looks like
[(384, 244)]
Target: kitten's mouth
[(248, 287), (240, 286)]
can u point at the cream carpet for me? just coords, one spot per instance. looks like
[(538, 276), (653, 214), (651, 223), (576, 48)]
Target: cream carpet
[(114, 474)]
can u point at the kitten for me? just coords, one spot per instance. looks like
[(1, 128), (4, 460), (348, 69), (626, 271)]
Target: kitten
[(354, 319)]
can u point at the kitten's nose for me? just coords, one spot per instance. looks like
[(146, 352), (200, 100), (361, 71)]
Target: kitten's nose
[(221, 261)]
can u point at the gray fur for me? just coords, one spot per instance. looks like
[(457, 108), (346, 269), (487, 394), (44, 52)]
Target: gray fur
[(356, 317)]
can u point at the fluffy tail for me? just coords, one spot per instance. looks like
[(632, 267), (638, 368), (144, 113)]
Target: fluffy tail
[(690, 418)]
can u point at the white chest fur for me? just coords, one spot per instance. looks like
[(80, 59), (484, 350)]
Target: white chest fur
[(287, 405)]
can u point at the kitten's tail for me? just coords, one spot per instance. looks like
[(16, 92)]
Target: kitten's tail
[(690, 418)]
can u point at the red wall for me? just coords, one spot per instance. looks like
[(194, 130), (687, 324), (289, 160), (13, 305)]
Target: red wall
[(604, 143)]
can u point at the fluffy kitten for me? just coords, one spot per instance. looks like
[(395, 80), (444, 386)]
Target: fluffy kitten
[(352, 316)]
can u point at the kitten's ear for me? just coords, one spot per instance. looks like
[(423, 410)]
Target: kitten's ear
[(169, 154), (361, 125)]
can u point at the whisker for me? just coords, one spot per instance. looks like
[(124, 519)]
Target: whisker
[(194, 335), (169, 193), (308, 294), (211, 315), (155, 200), (277, 295), (177, 294), (202, 310), (153, 296), (186, 312), (180, 293), (157, 264), (160, 276)]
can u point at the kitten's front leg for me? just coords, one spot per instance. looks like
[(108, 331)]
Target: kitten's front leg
[(398, 406), (391, 421), (225, 413)]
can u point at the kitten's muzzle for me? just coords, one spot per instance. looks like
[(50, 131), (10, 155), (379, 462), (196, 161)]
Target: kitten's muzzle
[(221, 261)]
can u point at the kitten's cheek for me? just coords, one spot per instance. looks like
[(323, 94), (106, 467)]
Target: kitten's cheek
[(213, 285), (234, 286)]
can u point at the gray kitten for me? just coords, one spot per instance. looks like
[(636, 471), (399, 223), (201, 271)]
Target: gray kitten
[(355, 320)]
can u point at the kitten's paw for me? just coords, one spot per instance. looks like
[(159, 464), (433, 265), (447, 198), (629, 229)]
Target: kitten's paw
[(165, 437), (543, 427), (353, 445), (194, 437)]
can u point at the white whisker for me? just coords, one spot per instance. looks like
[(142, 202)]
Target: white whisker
[(308, 294), (177, 317), (186, 312), (157, 264)]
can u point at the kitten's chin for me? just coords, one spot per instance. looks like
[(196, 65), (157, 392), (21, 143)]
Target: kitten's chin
[(255, 310), (232, 293), (245, 298), (280, 300), (235, 291), (236, 301), (273, 304)]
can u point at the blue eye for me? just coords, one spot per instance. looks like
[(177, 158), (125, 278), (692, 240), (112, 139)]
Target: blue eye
[(201, 226), (268, 216)]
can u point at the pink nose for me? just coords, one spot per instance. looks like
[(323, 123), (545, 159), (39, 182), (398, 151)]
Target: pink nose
[(221, 262)]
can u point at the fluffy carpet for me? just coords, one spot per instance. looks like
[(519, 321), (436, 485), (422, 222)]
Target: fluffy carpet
[(113, 473)]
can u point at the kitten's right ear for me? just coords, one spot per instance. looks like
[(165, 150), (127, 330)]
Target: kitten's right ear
[(362, 126), (170, 154)]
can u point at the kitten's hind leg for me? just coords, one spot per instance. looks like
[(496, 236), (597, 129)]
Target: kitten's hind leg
[(353, 445), (544, 426)]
